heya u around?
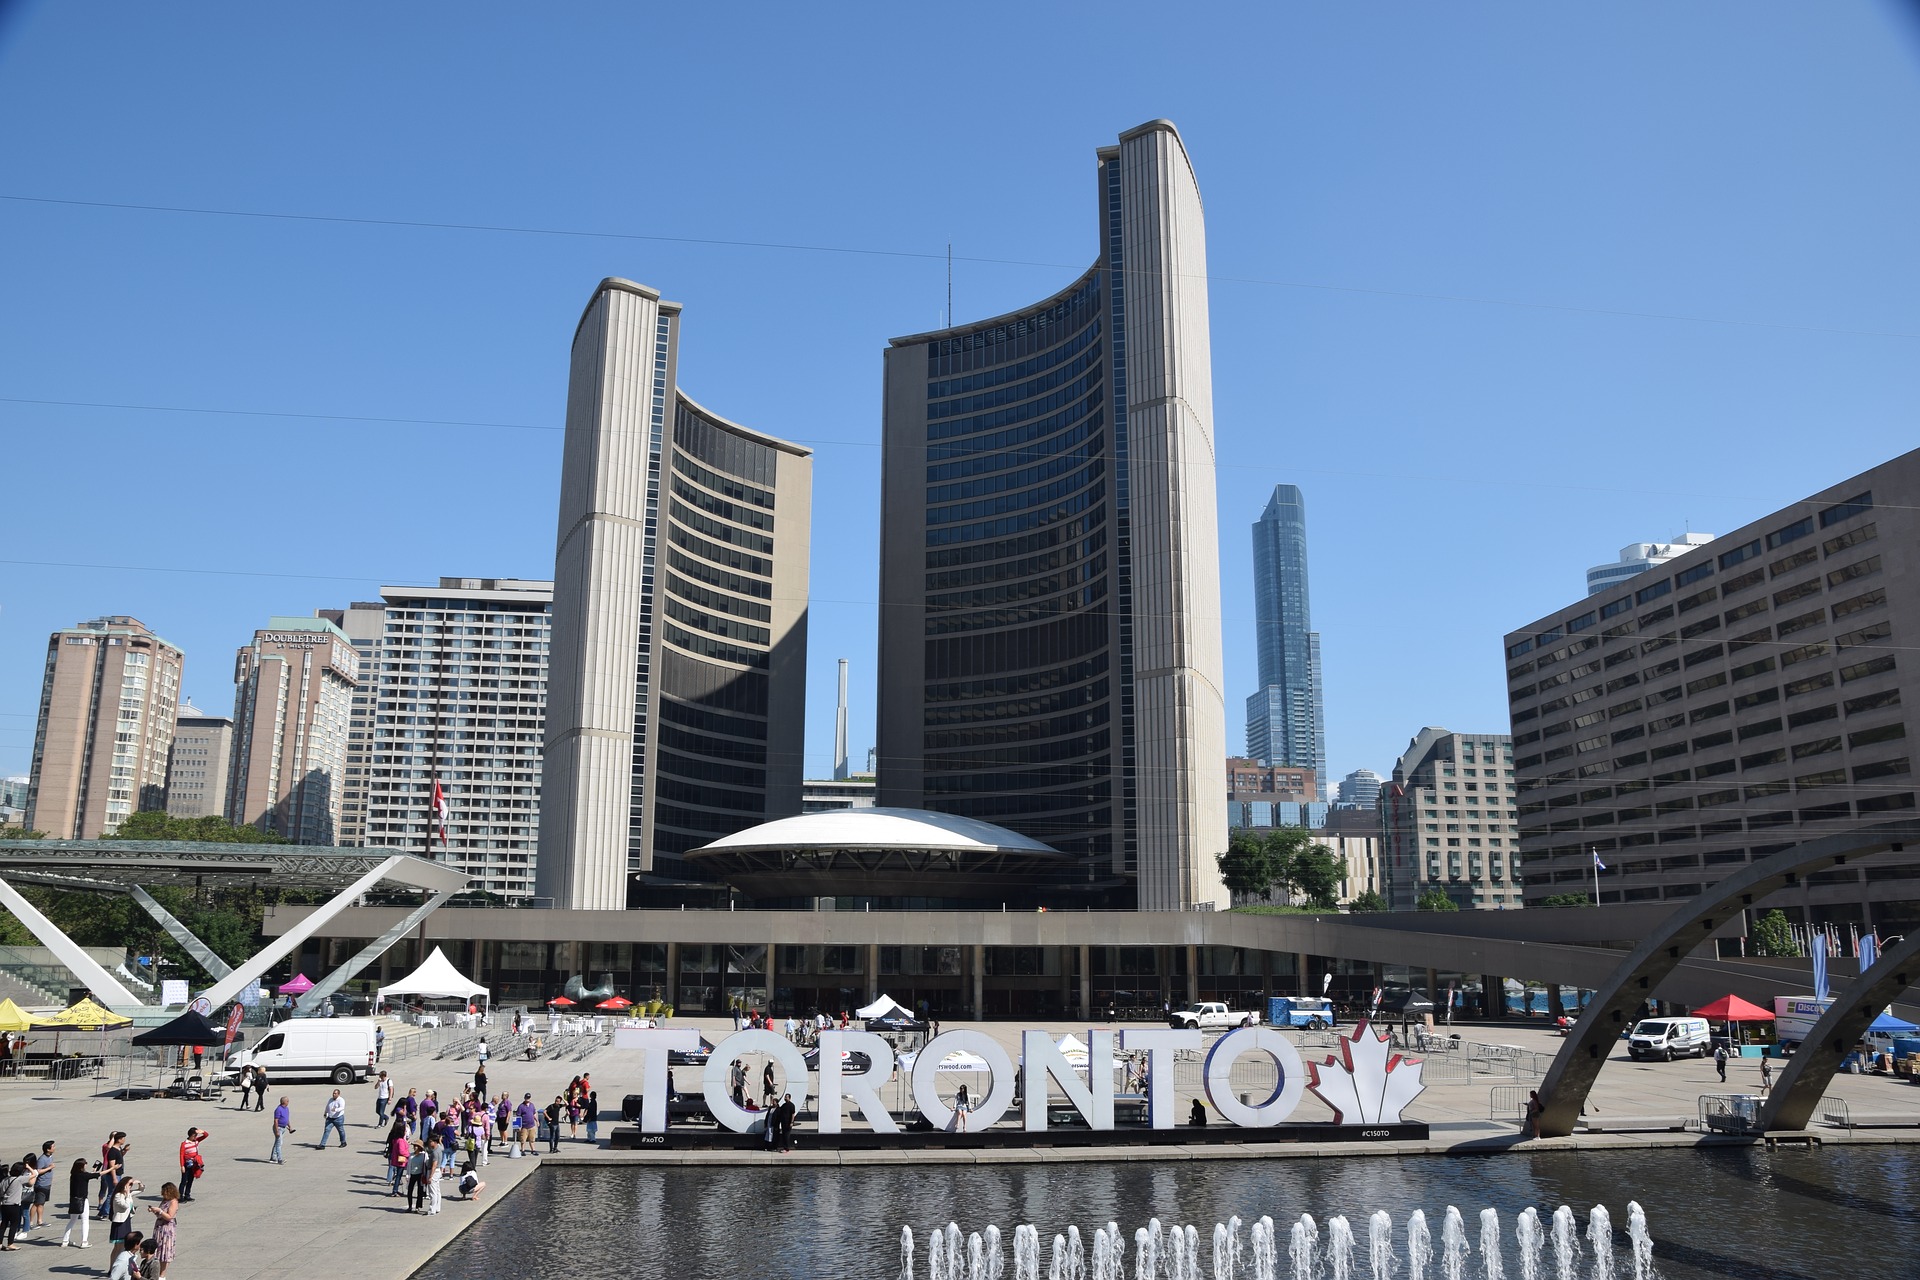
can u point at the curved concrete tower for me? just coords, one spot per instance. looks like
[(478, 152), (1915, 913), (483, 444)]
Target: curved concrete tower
[(1050, 654)]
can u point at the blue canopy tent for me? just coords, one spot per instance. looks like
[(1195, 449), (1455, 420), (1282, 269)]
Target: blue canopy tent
[(1887, 1022)]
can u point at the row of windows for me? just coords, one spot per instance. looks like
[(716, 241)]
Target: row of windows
[(739, 513), (1088, 500), (1090, 526), (1088, 451), (720, 555), (998, 442), (1021, 369), (1046, 645), (714, 529), (717, 577), (1011, 686), (1091, 472), (1016, 730), (1085, 363), (722, 484), (976, 619), (1778, 538), (1022, 589), (715, 600), (1011, 339), (980, 464)]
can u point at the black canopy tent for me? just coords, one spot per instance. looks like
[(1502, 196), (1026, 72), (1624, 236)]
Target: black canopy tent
[(188, 1029)]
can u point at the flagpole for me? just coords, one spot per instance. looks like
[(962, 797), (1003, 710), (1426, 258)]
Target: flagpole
[(1595, 855)]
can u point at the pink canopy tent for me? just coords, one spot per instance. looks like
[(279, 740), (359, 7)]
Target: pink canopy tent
[(300, 985)]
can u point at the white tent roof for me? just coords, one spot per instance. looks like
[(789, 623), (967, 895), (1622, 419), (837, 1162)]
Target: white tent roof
[(436, 976), (882, 1007)]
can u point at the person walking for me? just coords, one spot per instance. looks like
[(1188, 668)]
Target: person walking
[(1766, 1077), (399, 1150), (502, 1120), (259, 1088), (382, 1098), (379, 1042), (282, 1127), (42, 1186), (552, 1117), (244, 1085), (769, 1095), (333, 1119), (16, 1187), (191, 1165), (113, 1160), (419, 1164), (483, 1053), (592, 1114), (165, 1217), (80, 1200), (480, 1080), (1720, 1061)]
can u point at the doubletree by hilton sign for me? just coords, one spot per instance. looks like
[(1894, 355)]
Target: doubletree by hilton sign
[(1366, 1084)]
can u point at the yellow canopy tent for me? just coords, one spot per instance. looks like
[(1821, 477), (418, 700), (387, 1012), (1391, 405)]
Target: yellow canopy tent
[(84, 1016), (13, 1017)]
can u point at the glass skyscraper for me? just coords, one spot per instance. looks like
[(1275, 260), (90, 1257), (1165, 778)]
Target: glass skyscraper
[(1049, 591), (1286, 721)]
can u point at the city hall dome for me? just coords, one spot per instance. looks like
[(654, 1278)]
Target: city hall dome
[(882, 853)]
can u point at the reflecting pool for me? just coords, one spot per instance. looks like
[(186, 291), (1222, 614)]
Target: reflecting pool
[(1785, 1215)]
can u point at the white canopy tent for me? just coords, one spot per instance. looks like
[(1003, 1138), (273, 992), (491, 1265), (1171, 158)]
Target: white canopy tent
[(885, 1006), (437, 979)]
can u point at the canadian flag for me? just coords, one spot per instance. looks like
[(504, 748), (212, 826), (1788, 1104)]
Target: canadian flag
[(439, 813)]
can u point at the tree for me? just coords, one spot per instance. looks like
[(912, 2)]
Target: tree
[(1566, 900), (1771, 935), (1435, 900), (1368, 901), (212, 829), (1246, 867)]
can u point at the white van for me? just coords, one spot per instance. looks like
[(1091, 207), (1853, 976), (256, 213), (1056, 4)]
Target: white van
[(1670, 1038), (337, 1049)]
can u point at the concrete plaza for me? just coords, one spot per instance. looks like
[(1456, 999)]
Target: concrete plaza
[(329, 1210)]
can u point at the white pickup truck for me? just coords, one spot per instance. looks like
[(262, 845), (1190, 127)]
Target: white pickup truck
[(1211, 1015)]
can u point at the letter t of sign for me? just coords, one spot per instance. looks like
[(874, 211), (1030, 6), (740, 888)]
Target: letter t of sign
[(655, 1046)]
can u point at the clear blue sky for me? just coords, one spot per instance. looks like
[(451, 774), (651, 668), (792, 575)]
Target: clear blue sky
[(1501, 287)]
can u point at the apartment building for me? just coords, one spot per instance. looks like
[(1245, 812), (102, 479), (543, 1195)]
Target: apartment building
[(197, 766), (1747, 695), (104, 731), (1447, 820)]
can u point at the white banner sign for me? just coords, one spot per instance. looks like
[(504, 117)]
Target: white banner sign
[(173, 991)]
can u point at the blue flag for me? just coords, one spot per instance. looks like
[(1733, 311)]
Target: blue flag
[(1820, 966), (1869, 951)]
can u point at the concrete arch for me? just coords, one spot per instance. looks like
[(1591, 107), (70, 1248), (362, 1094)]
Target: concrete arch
[(1571, 1077), (1804, 1081)]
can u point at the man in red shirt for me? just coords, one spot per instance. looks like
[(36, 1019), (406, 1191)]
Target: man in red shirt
[(191, 1165)]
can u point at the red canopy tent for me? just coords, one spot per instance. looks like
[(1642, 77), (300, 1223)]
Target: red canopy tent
[(561, 1002), (1733, 1009), (616, 1002)]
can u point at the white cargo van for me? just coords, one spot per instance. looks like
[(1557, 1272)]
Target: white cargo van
[(1669, 1038), (336, 1049)]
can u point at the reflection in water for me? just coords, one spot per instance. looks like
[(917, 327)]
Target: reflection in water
[(1742, 1212)]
